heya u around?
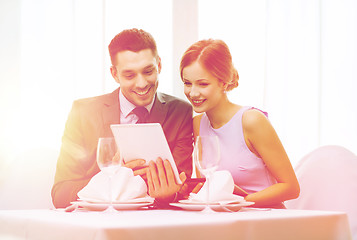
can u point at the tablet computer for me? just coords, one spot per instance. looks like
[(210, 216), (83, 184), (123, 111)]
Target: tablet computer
[(143, 141)]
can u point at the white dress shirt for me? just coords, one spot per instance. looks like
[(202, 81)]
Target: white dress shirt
[(126, 108)]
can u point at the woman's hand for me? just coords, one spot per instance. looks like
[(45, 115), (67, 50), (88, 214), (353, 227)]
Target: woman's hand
[(161, 181)]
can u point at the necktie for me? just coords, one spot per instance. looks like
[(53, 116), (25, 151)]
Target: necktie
[(142, 114)]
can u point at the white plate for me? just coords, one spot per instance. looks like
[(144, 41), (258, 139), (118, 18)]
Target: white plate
[(135, 200), (216, 207), (190, 201), (118, 206)]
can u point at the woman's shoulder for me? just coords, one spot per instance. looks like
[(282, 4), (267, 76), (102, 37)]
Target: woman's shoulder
[(253, 118), (256, 128)]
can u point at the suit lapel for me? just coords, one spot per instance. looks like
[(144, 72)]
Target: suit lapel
[(159, 110), (110, 112)]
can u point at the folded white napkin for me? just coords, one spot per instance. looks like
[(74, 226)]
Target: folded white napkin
[(221, 189), (123, 186)]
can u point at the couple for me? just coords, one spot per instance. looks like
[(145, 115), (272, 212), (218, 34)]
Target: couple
[(252, 151)]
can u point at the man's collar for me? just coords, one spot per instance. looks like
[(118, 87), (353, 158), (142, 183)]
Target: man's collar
[(126, 106)]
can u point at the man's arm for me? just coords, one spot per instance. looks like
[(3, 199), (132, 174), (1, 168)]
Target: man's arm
[(182, 151), (74, 163)]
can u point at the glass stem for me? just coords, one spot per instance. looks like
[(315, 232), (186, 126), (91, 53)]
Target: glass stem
[(110, 208), (110, 191), (208, 187)]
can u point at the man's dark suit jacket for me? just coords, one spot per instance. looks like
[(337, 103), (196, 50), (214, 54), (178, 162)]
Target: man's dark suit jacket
[(91, 118)]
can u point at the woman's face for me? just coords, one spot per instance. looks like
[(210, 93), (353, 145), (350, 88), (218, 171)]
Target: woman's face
[(201, 88)]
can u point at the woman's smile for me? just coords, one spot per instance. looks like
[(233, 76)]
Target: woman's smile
[(197, 103)]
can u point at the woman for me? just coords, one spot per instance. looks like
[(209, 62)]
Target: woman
[(250, 147)]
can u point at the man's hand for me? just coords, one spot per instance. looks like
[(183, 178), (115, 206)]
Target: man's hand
[(191, 185), (138, 167), (161, 181)]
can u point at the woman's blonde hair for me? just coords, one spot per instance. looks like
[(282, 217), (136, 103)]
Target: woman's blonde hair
[(215, 57)]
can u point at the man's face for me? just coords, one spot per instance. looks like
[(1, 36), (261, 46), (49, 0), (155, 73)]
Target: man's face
[(137, 73)]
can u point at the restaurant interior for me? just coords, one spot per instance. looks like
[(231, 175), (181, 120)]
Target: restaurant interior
[(296, 60)]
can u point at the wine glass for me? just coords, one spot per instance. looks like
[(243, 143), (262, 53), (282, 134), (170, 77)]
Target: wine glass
[(109, 161), (206, 155)]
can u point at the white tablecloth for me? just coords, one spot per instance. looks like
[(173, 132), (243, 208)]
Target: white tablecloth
[(172, 224)]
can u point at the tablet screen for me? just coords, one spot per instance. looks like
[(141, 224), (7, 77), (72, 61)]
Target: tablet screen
[(143, 141)]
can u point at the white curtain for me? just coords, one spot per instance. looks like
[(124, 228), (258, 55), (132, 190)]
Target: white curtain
[(296, 60)]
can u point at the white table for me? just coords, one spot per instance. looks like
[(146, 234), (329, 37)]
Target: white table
[(173, 224)]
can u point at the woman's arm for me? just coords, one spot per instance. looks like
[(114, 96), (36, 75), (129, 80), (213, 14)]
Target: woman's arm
[(239, 191), (196, 132), (264, 142)]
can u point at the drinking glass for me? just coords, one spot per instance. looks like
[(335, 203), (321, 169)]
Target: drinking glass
[(108, 160), (206, 155)]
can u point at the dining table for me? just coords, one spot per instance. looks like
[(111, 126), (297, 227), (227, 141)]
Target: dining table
[(149, 224)]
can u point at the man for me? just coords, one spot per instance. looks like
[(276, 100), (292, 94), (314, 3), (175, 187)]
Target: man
[(136, 66)]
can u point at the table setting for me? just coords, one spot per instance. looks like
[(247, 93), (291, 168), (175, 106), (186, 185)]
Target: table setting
[(101, 194), (130, 192), (217, 192), (221, 197)]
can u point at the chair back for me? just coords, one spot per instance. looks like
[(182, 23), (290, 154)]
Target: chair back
[(328, 181)]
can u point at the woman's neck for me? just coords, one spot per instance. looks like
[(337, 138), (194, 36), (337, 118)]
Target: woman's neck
[(222, 113)]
